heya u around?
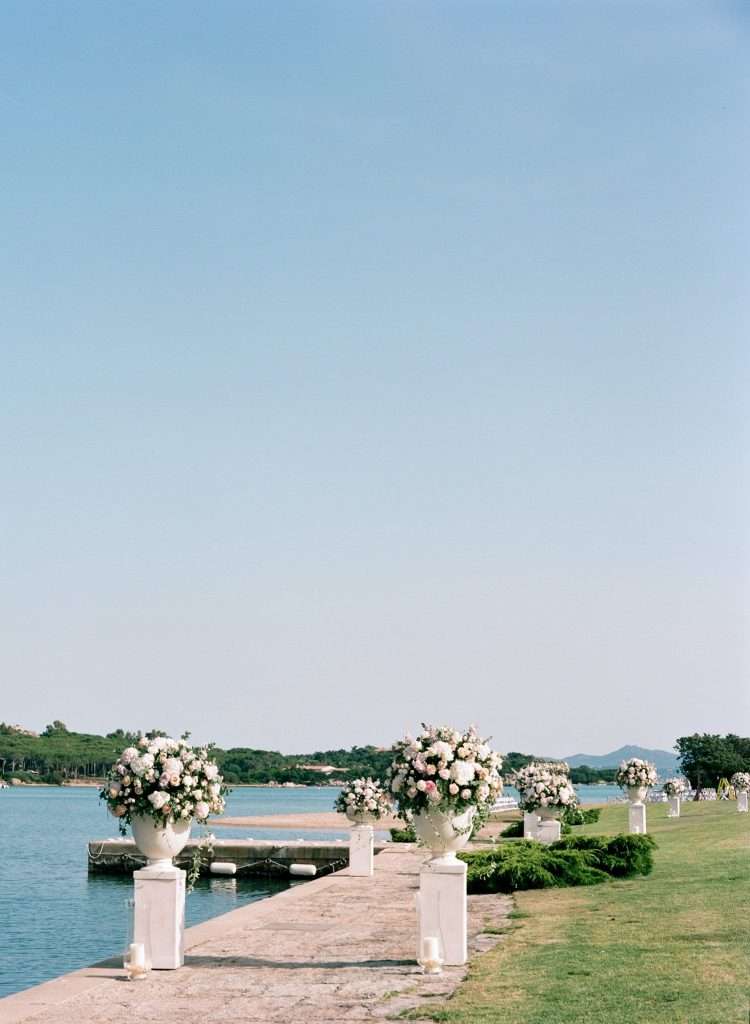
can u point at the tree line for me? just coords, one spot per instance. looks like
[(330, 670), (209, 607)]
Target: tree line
[(60, 755)]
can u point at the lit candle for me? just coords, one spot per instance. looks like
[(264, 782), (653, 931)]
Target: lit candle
[(137, 954), (430, 949)]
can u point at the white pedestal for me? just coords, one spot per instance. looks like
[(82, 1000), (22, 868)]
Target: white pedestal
[(361, 851), (160, 915), (530, 824), (674, 807), (637, 819), (442, 908), (548, 830), (742, 801)]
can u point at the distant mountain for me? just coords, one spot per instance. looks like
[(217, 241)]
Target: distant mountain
[(666, 763)]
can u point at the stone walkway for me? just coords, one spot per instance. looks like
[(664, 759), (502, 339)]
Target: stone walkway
[(336, 949)]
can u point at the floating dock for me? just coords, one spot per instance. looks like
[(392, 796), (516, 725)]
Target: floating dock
[(250, 856)]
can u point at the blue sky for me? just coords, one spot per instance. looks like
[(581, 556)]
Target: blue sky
[(372, 363)]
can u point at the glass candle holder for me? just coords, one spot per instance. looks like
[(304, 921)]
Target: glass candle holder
[(431, 960), (134, 959)]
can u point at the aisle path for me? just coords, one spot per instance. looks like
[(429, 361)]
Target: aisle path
[(336, 949)]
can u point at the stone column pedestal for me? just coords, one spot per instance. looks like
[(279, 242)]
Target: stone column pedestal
[(548, 830), (674, 807), (361, 851), (637, 819), (530, 824), (442, 908), (742, 801), (160, 915)]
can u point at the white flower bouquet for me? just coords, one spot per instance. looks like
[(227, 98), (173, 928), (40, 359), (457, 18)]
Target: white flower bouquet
[(741, 781), (165, 779), (674, 787), (544, 784), (363, 798), (444, 769), (635, 772)]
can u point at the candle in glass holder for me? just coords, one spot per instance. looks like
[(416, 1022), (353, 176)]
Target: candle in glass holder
[(431, 960), (137, 954), (135, 961)]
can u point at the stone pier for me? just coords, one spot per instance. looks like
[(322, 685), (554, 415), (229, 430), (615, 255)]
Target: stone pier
[(339, 948)]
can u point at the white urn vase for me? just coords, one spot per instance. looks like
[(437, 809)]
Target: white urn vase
[(159, 842), (548, 813), (444, 832), (360, 817), (637, 794)]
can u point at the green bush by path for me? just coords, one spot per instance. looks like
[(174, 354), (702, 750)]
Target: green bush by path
[(403, 835), (570, 816), (580, 815), (513, 831), (576, 860)]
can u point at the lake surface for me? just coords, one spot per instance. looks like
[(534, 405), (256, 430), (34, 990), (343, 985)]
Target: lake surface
[(55, 917)]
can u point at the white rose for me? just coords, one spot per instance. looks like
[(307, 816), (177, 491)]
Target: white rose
[(462, 772), (202, 810), (443, 750), (158, 799), (466, 794), (211, 771), (453, 789), (421, 785)]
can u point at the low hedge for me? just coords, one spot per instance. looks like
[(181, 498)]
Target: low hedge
[(574, 860), (580, 815), (570, 816)]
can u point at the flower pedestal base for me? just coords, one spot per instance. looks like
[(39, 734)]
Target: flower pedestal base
[(442, 908), (548, 830), (674, 807), (530, 824), (637, 819), (742, 801), (361, 850), (160, 915)]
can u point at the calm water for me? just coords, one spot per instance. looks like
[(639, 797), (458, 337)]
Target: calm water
[(586, 794), (55, 917)]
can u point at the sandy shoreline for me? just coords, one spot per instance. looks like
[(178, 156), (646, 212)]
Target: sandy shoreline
[(329, 821)]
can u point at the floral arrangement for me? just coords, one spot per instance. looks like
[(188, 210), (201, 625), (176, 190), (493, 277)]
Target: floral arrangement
[(741, 781), (544, 784), (446, 769), (674, 787), (165, 779), (635, 772), (365, 797)]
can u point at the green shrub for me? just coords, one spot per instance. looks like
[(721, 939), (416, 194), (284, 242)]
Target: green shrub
[(513, 831), (619, 856), (403, 835), (577, 860), (580, 815)]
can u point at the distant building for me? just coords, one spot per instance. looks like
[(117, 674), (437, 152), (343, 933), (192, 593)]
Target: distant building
[(322, 769)]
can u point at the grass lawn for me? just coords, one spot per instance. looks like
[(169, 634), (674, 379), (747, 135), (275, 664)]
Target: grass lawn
[(670, 948)]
